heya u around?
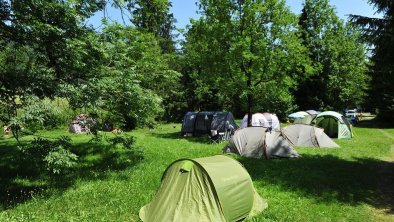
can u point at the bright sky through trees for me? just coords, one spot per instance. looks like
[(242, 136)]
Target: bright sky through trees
[(185, 9)]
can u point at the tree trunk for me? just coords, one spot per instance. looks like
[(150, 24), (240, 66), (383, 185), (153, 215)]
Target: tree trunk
[(249, 98), (250, 110), (129, 122)]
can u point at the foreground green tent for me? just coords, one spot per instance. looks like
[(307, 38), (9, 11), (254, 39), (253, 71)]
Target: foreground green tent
[(334, 124), (214, 188)]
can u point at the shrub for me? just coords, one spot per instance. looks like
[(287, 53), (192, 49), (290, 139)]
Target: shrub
[(54, 156)]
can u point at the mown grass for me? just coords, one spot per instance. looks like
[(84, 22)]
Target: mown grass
[(113, 184)]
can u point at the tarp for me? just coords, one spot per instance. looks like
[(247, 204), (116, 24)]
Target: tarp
[(307, 136), (257, 142), (262, 119), (334, 125), (214, 188)]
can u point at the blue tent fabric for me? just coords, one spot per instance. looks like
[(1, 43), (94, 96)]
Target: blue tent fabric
[(296, 116)]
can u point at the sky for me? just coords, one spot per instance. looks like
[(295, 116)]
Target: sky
[(183, 10)]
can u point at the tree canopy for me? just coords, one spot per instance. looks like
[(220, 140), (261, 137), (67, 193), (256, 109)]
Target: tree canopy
[(244, 48), (379, 33), (338, 57), (240, 56)]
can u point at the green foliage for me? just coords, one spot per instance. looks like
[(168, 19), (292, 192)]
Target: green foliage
[(276, 100), (131, 75), (125, 98), (154, 16), (126, 142), (55, 155), (60, 159), (237, 49), (339, 77), (22, 73), (379, 32)]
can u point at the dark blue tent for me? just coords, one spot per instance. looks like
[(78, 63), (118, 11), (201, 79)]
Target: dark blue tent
[(200, 123)]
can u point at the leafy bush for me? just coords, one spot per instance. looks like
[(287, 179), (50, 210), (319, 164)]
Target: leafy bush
[(55, 155), (127, 142)]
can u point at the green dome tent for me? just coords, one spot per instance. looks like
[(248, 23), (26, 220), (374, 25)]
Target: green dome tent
[(214, 188), (334, 125)]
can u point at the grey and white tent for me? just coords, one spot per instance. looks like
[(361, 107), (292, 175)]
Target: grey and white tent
[(199, 123), (258, 142), (307, 136), (262, 119)]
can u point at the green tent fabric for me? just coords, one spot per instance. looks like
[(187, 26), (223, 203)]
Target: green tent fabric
[(334, 125), (214, 188)]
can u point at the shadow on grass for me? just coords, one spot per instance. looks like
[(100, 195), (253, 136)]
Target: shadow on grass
[(204, 139), (373, 123), (328, 178), (21, 179)]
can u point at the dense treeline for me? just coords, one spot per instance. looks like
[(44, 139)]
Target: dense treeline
[(242, 56)]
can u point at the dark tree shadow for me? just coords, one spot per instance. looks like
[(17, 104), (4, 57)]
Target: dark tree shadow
[(328, 178), (20, 180), (373, 123), (204, 139)]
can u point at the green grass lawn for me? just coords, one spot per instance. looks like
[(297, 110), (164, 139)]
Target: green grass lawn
[(112, 184)]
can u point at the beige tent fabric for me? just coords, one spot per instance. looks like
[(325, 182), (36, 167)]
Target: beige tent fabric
[(307, 136), (277, 146), (258, 142), (248, 142)]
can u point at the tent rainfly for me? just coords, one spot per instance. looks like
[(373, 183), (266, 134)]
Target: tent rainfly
[(304, 117), (312, 112), (262, 119), (257, 142), (307, 136), (334, 125), (200, 123), (215, 188)]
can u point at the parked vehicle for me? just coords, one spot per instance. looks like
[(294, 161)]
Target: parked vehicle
[(351, 113)]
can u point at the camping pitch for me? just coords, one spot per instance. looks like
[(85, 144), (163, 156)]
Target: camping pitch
[(214, 188), (262, 119), (307, 136), (199, 123), (334, 125), (257, 142)]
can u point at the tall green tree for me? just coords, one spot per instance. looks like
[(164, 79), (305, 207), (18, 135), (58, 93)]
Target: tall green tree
[(36, 49), (246, 50), (130, 80), (379, 33), (154, 17), (338, 57), (47, 26)]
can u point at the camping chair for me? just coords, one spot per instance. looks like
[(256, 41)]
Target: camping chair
[(219, 137), (216, 136)]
